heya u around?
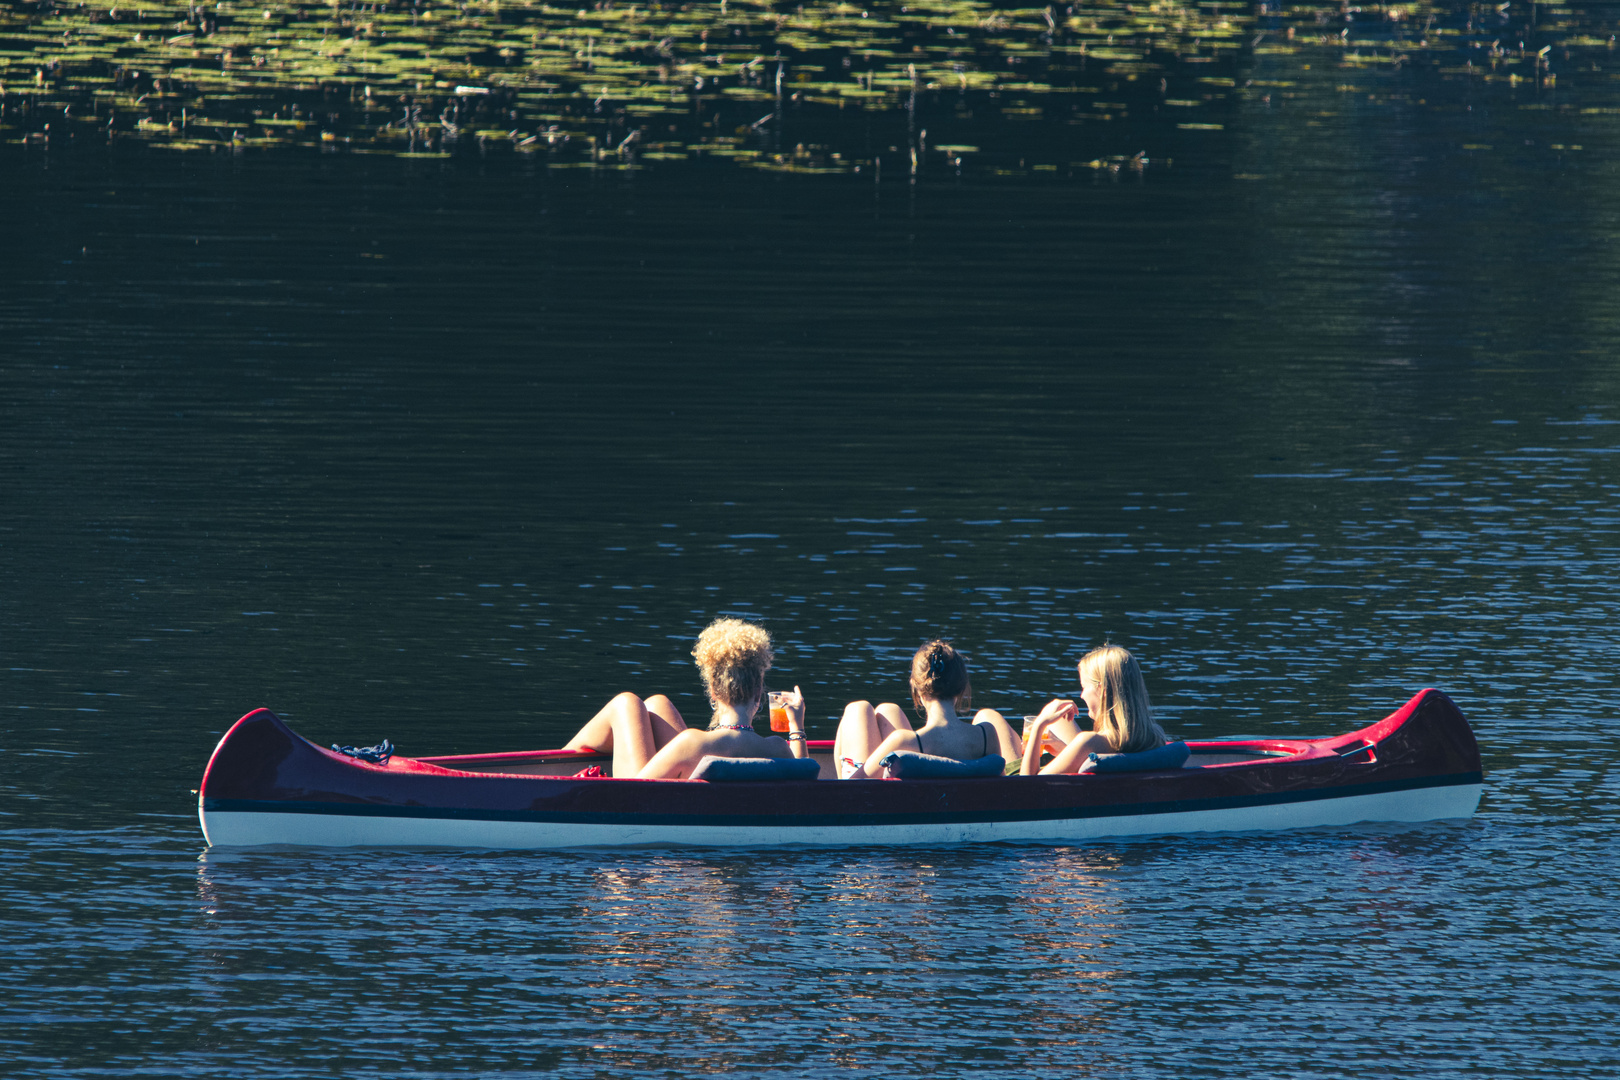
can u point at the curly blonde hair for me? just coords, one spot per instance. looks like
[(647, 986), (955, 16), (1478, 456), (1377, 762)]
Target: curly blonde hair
[(733, 657)]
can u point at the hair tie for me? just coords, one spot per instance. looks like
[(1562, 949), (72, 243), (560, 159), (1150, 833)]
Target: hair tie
[(936, 662)]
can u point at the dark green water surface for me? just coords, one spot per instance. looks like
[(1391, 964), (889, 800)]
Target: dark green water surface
[(449, 451)]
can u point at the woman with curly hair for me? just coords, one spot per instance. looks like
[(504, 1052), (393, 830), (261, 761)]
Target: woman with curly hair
[(648, 737), (939, 687), (1116, 700)]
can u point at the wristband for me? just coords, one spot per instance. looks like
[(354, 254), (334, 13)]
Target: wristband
[(795, 736)]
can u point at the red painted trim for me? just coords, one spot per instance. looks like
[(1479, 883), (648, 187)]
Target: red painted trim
[(260, 759), (464, 760), (467, 761)]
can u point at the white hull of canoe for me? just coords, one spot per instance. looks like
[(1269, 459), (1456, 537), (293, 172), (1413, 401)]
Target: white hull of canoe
[(245, 829)]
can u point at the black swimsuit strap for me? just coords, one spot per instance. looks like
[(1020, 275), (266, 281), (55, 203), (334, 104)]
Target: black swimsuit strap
[(984, 730)]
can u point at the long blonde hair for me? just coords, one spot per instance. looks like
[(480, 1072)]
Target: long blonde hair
[(1124, 716), (733, 657)]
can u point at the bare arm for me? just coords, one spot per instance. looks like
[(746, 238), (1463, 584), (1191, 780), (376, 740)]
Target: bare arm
[(678, 757), (1032, 748), (1009, 744), (1069, 758), (873, 766), (1058, 710), (795, 711)]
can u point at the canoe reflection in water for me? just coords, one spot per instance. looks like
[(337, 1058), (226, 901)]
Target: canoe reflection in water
[(267, 785)]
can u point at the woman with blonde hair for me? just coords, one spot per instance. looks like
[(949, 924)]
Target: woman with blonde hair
[(648, 737), (1116, 701), (939, 687)]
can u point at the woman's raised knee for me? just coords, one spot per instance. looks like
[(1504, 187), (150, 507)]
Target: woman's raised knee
[(627, 704)]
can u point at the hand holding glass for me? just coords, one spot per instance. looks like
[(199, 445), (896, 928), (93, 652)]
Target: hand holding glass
[(1050, 743), (779, 711)]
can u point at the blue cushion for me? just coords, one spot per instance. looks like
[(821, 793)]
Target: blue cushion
[(1169, 756), (909, 766), (755, 768)]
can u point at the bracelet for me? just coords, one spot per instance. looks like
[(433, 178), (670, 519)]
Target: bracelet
[(795, 736)]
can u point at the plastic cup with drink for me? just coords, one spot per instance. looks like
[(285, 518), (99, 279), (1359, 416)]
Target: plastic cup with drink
[(1050, 744), (779, 711)]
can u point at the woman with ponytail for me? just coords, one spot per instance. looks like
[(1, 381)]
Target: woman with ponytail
[(649, 738), (939, 687), (1116, 701)]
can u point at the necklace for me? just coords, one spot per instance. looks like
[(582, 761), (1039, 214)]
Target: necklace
[(731, 727)]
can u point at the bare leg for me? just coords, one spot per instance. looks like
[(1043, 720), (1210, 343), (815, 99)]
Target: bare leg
[(857, 734), (633, 744), (597, 734), (891, 718), (665, 719), (625, 727), (1068, 730), (1009, 743), (864, 728)]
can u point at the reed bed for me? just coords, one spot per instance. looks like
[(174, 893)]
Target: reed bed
[(815, 87)]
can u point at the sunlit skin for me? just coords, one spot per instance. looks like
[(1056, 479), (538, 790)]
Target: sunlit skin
[(868, 734), (650, 740), (1079, 748)]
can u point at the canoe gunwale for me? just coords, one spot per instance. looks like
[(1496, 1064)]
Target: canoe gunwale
[(264, 781), (823, 821)]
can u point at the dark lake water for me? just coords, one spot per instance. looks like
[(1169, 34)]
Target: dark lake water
[(450, 450)]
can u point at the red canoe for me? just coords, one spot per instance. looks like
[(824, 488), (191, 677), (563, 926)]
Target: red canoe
[(267, 785)]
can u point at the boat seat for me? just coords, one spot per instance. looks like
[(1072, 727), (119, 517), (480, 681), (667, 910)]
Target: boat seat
[(735, 768), (1169, 756), (907, 765)]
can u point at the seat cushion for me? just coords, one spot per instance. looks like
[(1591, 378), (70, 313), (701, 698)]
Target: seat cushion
[(736, 768), (1169, 756), (911, 766)]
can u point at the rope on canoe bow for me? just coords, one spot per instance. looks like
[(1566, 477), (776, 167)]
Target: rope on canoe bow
[(377, 755)]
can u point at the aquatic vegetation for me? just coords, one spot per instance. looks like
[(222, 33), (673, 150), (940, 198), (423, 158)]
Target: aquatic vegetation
[(817, 87)]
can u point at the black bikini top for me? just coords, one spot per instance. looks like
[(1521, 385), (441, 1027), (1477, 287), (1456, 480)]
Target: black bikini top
[(984, 729)]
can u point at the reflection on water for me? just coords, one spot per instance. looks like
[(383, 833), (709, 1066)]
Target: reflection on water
[(1015, 961), (1317, 415), (679, 963), (914, 89)]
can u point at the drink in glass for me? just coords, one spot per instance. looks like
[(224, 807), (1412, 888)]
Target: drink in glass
[(1049, 744), (779, 711)]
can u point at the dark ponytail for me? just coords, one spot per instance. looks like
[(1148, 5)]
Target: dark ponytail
[(939, 672)]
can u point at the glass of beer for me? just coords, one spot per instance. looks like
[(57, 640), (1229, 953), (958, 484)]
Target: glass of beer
[(1050, 744), (779, 711)]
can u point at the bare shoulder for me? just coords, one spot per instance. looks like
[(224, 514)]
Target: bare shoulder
[(774, 746), (748, 744), (743, 744), (1092, 742), (684, 742), (899, 740), (679, 756)]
